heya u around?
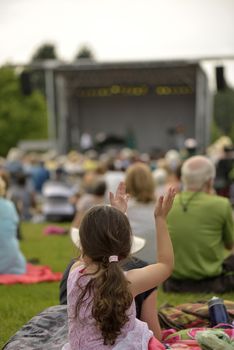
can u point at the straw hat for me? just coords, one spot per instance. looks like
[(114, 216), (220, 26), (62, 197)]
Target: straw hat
[(138, 243)]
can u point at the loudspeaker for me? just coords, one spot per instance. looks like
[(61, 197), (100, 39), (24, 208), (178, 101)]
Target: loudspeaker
[(220, 79), (25, 83)]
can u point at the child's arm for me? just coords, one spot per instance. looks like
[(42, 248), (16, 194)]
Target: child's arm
[(152, 275), (149, 314)]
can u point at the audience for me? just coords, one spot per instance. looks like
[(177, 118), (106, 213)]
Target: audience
[(201, 228), (12, 260), (200, 222)]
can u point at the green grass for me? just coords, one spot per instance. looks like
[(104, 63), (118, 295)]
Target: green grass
[(19, 303)]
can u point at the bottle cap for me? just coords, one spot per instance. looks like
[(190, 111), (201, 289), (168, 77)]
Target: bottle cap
[(215, 301)]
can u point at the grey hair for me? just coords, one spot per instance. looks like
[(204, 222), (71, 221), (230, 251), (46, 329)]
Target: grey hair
[(196, 172)]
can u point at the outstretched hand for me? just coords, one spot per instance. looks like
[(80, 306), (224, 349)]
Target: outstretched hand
[(164, 203), (120, 199)]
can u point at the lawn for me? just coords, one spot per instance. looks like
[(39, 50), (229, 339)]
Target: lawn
[(19, 303)]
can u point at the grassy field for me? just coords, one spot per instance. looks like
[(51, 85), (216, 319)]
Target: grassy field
[(19, 303)]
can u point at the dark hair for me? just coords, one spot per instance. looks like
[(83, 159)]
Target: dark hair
[(106, 231), (98, 188), (21, 179)]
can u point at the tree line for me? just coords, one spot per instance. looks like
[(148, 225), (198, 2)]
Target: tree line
[(23, 109)]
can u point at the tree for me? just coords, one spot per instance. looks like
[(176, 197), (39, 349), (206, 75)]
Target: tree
[(37, 77), (224, 111), (215, 132), (45, 52), (21, 117), (84, 52)]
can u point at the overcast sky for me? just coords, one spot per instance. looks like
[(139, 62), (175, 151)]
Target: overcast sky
[(119, 29)]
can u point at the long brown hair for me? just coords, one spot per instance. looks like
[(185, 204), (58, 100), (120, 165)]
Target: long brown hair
[(106, 231), (140, 182)]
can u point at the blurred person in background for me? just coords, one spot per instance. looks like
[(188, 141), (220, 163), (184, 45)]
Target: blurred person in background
[(160, 176), (94, 195), (86, 142), (113, 174), (224, 172), (179, 137), (13, 162), (39, 175), (201, 228), (12, 260), (141, 188), (23, 196), (6, 178), (56, 194), (4, 174), (173, 166), (190, 148)]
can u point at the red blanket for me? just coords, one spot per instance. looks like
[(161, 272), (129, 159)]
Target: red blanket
[(34, 274)]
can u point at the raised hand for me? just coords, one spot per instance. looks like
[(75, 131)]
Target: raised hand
[(164, 203), (120, 199)]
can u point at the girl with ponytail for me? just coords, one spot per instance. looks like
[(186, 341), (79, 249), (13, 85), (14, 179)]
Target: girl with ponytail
[(101, 309)]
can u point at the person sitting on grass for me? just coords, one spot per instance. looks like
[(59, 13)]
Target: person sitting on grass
[(201, 228), (141, 188), (146, 302), (101, 310), (12, 260)]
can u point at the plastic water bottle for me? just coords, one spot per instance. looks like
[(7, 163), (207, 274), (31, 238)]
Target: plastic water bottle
[(217, 311)]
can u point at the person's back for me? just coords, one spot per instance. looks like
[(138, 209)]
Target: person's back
[(141, 219), (22, 195), (39, 175), (11, 259), (134, 334), (141, 188), (201, 227), (199, 234)]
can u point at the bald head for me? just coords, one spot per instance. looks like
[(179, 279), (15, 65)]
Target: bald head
[(197, 172)]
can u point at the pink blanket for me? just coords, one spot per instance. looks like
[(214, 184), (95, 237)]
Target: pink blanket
[(186, 338), (34, 274)]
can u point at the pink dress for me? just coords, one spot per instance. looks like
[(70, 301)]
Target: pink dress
[(84, 335)]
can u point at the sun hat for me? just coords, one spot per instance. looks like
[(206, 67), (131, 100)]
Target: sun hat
[(138, 243)]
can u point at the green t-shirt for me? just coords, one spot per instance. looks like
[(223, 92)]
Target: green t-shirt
[(199, 234)]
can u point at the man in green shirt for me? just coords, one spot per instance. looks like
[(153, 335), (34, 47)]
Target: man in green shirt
[(201, 228)]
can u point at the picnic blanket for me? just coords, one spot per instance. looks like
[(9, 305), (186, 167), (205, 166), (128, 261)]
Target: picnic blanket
[(34, 274), (48, 330), (200, 339), (189, 315), (187, 327)]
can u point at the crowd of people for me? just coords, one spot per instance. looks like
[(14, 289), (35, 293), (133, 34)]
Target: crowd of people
[(108, 197)]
